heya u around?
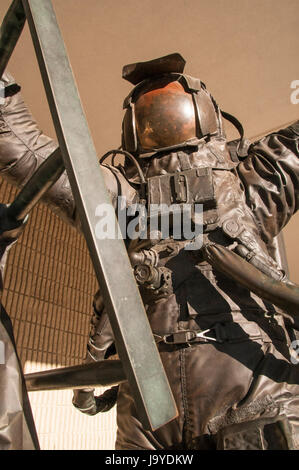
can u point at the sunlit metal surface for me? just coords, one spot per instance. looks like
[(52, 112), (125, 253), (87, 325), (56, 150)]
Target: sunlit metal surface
[(134, 340)]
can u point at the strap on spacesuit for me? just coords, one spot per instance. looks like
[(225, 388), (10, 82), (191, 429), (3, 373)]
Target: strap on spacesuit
[(243, 144), (228, 332)]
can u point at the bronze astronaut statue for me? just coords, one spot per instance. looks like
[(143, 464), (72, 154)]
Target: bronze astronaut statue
[(226, 350)]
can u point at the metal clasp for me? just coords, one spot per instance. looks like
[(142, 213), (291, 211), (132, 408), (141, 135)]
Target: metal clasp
[(202, 334), (216, 328), (180, 187), (188, 336), (179, 337)]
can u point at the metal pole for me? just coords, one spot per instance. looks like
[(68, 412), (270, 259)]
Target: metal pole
[(10, 31), (98, 374), (134, 340)]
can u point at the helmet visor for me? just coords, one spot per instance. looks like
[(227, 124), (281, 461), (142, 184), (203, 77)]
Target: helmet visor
[(164, 116)]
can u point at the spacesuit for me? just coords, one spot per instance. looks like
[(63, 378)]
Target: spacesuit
[(225, 350)]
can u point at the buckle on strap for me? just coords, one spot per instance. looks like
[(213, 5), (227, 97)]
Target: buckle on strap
[(190, 336)]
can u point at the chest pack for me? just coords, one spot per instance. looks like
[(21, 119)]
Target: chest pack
[(188, 192)]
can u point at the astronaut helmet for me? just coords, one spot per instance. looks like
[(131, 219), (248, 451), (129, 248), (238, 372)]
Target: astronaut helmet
[(166, 109)]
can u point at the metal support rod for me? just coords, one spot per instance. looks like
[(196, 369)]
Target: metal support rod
[(40, 182), (98, 374), (10, 31), (134, 340)]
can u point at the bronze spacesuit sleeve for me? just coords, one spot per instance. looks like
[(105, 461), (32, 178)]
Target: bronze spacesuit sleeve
[(24, 147), (270, 176)]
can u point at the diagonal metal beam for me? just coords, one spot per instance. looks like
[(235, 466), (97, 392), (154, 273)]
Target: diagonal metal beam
[(10, 31), (134, 339)]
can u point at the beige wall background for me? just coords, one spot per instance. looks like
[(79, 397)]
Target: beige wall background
[(246, 51)]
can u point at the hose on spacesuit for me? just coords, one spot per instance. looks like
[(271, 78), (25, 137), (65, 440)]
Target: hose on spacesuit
[(284, 294)]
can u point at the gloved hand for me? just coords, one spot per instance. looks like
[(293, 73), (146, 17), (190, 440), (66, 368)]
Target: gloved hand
[(100, 346), (86, 402)]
